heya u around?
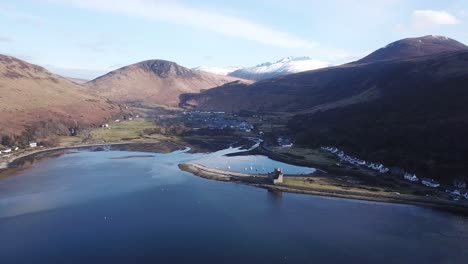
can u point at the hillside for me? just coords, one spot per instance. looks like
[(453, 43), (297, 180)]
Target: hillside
[(414, 47), (418, 121), (30, 96), (408, 112), (154, 81), (326, 88)]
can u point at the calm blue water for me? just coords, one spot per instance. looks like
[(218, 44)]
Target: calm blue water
[(87, 207)]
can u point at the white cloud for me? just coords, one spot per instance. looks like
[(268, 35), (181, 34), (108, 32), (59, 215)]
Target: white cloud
[(422, 19), (177, 13)]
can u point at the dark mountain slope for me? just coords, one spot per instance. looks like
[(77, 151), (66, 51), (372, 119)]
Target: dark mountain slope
[(420, 121), (414, 47), (409, 112)]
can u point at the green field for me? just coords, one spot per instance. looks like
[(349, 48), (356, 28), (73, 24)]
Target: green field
[(124, 131)]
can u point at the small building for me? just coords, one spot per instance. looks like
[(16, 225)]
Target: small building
[(105, 125), (284, 142), (430, 183), (32, 144), (7, 150), (411, 177), (276, 176)]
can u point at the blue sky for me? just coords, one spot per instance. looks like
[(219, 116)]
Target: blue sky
[(86, 38)]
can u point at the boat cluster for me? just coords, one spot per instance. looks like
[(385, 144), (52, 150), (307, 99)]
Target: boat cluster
[(356, 161)]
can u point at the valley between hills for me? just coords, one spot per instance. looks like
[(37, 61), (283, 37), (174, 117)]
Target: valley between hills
[(402, 107)]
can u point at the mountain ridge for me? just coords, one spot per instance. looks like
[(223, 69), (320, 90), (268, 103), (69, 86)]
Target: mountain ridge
[(30, 94), (154, 81)]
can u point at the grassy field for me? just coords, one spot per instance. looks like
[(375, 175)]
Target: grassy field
[(70, 141), (320, 159), (125, 131)]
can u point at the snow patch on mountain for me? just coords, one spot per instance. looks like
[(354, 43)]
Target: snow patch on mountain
[(281, 67)]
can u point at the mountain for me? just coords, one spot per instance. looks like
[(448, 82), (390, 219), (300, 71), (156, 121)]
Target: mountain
[(403, 111), (154, 81), (31, 96), (218, 70), (282, 67), (414, 47)]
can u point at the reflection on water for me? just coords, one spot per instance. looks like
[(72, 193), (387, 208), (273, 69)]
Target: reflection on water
[(100, 207), (85, 175)]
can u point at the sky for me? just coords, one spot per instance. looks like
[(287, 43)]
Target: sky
[(88, 38)]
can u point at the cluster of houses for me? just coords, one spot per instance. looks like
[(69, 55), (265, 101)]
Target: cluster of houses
[(380, 167), (425, 181), (459, 190), (9, 150), (216, 120), (356, 161)]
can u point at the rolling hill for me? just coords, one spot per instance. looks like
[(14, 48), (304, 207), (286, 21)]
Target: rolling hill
[(31, 97), (155, 81)]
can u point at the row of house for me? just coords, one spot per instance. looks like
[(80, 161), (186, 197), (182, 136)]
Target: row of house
[(456, 193), (458, 190), (379, 167), (356, 161), (425, 181)]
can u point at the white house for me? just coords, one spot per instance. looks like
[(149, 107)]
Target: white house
[(7, 150), (105, 125), (384, 170), (411, 177), (459, 184), (32, 144), (430, 183)]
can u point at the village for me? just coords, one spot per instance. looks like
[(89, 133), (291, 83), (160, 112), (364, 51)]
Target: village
[(216, 120), (457, 191)]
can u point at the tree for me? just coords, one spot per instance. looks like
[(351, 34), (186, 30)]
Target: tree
[(7, 140)]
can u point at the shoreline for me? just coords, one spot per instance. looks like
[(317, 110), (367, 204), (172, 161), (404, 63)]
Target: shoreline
[(8, 167), (259, 181)]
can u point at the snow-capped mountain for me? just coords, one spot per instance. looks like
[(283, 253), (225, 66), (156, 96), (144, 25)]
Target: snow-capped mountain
[(267, 70), (218, 70), (282, 67)]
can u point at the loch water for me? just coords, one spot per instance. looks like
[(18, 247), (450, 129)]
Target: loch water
[(133, 207)]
